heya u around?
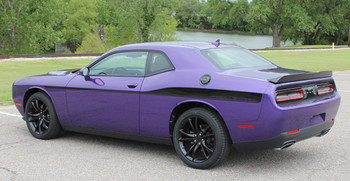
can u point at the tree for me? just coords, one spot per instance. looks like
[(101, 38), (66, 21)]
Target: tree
[(30, 27), (144, 14), (190, 13), (228, 15), (268, 13), (91, 44), (340, 15), (136, 21), (47, 23), (327, 22), (279, 15), (163, 28), (331, 19), (80, 21), (12, 20)]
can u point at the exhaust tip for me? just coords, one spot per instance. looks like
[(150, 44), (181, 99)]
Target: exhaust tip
[(287, 144), (324, 132)]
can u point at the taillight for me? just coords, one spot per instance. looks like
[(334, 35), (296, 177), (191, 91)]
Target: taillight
[(289, 95), (325, 89)]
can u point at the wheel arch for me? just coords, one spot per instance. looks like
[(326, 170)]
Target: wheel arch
[(186, 105), (53, 120), (32, 91)]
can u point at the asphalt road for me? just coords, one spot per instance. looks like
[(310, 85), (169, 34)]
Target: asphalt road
[(85, 157)]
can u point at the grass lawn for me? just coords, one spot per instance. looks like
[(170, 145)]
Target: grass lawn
[(303, 60), (308, 46), (13, 70), (315, 60)]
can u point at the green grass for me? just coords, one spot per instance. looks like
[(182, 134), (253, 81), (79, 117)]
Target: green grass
[(304, 60), (316, 60), (13, 70), (307, 46)]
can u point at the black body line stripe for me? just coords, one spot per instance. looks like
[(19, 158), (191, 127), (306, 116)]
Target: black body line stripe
[(188, 92), (208, 94), (90, 89)]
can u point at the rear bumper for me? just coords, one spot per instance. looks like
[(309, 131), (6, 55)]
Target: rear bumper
[(285, 139)]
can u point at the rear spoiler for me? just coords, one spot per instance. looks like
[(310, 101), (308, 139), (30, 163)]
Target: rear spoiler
[(301, 76)]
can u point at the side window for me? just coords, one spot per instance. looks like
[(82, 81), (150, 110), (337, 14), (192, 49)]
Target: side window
[(158, 62), (121, 64)]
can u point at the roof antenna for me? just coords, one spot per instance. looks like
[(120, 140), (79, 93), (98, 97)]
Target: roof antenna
[(216, 43)]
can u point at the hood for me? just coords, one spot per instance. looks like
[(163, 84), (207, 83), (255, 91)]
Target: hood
[(62, 72), (278, 74)]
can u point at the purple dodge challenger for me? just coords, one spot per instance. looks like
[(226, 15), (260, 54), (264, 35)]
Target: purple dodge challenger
[(202, 98)]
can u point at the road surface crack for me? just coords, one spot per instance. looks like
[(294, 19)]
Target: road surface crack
[(13, 173), (5, 146)]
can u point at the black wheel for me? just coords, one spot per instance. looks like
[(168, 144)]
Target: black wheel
[(200, 138), (41, 117)]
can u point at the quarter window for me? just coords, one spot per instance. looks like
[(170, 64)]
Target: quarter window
[(122, 64), (158, 62)]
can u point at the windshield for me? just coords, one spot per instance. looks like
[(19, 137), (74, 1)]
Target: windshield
[(233, 58)]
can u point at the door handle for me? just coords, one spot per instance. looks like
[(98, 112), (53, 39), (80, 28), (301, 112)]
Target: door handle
[(132, 85)]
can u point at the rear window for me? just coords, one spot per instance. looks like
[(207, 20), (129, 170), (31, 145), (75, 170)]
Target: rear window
[(233, 58)]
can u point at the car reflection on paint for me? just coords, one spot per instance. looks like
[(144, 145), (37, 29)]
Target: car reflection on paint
[(202, 98)]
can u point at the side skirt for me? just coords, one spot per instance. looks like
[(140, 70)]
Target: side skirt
[(127, 136)]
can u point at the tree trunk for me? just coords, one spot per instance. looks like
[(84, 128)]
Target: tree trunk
[(277, 29), (276, 36), (337, 37)]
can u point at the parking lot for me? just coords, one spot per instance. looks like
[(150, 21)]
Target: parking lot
[(85, 157)]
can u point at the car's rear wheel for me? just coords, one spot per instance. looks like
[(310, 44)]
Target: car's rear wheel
[(41, 117), (200, 138)]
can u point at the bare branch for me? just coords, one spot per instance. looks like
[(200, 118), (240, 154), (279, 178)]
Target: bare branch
[(20, 9), (4, 6), (268, 17), (10, 5), (276, 10)]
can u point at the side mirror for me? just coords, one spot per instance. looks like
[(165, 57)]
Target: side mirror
[(86, 72)]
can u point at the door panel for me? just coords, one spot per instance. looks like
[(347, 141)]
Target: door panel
[(109, 98), (103, 102)]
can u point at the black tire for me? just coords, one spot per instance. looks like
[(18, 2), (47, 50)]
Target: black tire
[(200, 138), (41, 118)]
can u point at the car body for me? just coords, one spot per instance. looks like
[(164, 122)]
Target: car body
[(258, 104)]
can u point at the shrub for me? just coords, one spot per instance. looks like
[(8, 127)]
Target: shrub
[(91, 44)]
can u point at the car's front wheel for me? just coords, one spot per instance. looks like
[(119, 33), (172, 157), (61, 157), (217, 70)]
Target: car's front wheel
[(200, 138), (41, 117)]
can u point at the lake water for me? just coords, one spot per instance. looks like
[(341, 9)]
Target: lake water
[(243, 40)]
